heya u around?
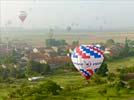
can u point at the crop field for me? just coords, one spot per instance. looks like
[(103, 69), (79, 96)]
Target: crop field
[(84, 38)]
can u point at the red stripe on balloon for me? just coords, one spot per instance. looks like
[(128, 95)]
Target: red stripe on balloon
[(90, 71), (96, 49), (83, 55), (86, 77)]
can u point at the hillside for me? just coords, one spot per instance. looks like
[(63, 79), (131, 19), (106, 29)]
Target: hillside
[(76, 88)]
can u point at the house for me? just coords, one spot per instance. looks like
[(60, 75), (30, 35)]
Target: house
[(5, 51), (114, 50), (39, 57), (3, 45), (49, 51), (58, 61), (55, 48), (54, 62), (35, 50)]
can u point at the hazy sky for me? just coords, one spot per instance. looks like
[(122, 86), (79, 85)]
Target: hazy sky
[(91, 14)]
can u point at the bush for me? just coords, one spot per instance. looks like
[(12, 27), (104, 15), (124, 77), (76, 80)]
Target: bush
[(50, 87), (9, 80), (119, 84), (110, 42), (130, 69), (103, 69), (97, 79), (34, 67), (122, 73), (131, 84), (102, 91), (69, 67), (70, 87), (38, 92), (111, 77)]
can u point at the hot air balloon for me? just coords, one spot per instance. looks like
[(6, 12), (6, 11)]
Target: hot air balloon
[(87, 59), (69, 28), (22, 16)]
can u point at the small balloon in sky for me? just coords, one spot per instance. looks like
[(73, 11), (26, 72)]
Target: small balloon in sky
[(69, 28), (22, 15)]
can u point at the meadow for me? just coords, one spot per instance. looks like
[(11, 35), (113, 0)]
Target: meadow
[(76, 87)]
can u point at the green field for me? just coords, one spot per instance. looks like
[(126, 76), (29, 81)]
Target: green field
[(77, 87)]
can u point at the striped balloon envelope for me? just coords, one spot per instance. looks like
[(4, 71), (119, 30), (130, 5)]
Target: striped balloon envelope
[(87, 59)]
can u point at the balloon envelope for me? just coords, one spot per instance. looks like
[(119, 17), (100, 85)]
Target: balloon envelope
[(22, 16), (87, 59)]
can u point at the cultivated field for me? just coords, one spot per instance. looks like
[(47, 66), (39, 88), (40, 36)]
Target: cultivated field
[(38, 39)]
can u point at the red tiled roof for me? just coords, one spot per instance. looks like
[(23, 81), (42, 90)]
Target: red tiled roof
[(37, 55)]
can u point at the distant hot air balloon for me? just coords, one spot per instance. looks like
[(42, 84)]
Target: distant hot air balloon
[(87, 59), (22, 16), (69, 28)]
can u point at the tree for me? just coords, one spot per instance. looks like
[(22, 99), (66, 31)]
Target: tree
[(110, 42), (111, 77), (62, 51), (36, 92), (50, 42), (45, 68), (126, 48), (37, 67), (53, 42), (8, 60), (50, 87), (75, 43), (103, 69)]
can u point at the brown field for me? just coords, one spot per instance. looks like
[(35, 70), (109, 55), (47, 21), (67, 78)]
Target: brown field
[(84, 38), (87, 38)]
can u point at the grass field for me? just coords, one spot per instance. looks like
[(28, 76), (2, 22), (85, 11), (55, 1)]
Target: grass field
[(119, 63), (78, 87)]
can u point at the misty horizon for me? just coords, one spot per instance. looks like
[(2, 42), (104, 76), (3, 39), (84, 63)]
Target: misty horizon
[(79, 15)]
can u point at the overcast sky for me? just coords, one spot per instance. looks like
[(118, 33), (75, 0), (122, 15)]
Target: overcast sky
[(94, 14)]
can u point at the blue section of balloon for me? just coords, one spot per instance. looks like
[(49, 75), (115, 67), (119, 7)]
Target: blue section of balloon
[(85, 72), (74, 55), (92, 53)]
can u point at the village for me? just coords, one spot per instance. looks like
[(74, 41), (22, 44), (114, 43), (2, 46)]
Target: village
[(53, 55), (56, 52)]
